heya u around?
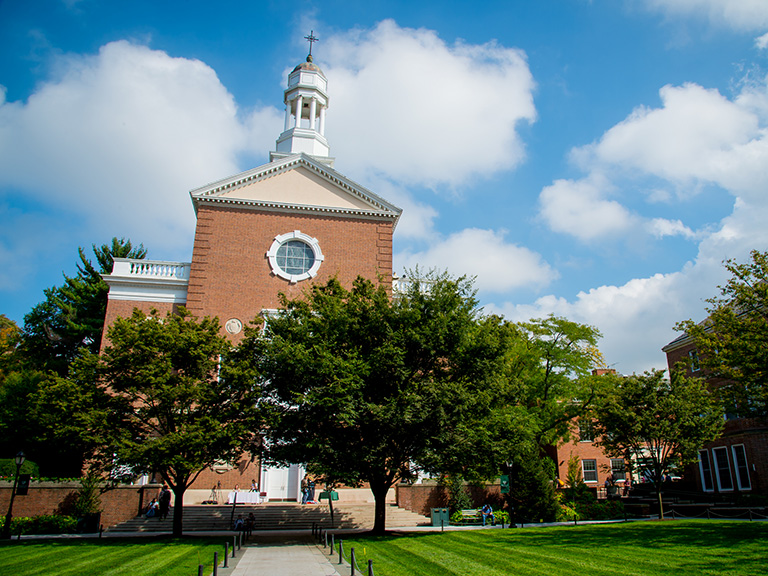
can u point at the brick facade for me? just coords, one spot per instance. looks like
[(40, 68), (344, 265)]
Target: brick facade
[(118, 505), (230, 275), (749, 433)]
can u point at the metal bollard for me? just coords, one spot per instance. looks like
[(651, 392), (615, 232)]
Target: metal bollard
[(673, 514), (325, 539), (750, 514), (215, 564), (341, 551), (352, 561), (234, 545), (199, 570), (370, 567), (333, 543), (708, 516), (226, 554)]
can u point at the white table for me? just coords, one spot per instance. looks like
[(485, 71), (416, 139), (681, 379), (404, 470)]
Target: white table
[(244, 497)]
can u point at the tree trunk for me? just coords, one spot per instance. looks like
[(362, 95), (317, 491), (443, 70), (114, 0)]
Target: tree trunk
[(178, 510), (380, 510), (658, 497)]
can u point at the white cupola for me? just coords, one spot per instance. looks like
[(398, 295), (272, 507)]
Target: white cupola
[(306, 102)]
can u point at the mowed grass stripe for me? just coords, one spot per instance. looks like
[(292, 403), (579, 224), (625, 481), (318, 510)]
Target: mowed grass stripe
[(684, 547), (109, 558)]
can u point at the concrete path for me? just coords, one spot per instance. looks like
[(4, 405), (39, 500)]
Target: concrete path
[(283, 555)]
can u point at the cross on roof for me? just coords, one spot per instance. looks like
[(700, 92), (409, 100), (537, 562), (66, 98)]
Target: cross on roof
[(311, 39)]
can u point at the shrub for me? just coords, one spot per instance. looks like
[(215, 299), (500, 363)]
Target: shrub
[(458, 495), (8, 468), (46, 524)]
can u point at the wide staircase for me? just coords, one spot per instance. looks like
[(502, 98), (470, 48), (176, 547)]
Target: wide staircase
[(282, 516)]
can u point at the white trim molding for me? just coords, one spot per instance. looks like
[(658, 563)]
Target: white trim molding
[(306, 239)]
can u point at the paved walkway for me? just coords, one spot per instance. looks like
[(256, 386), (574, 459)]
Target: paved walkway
[(282, 555)]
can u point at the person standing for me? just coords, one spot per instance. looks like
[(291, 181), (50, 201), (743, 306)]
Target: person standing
[(164, 501), (304, 489), (311, 488)]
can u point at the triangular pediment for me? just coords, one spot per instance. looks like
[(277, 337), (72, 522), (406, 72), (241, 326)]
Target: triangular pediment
[(296, 183)]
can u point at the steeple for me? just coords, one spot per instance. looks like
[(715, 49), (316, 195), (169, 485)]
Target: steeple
[(306, 102)]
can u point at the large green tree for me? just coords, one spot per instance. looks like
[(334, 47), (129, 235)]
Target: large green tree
[(363, 387), (182, 405), (732, 343), (59, 422), (72, 315), (658, 423)]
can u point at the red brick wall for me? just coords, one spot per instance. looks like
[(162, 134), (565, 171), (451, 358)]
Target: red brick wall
[(118, 505), (753, 434), (421, 498), (230, 275)]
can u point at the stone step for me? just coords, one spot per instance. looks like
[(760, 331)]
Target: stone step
[(274, 517)]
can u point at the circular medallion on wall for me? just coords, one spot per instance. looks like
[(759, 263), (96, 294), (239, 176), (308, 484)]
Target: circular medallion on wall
[(233, 326), (295, 256)]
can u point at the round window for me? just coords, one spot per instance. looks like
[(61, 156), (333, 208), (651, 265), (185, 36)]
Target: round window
[(295, 256)]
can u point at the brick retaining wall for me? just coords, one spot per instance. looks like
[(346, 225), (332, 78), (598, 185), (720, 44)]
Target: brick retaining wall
[(118, 504)]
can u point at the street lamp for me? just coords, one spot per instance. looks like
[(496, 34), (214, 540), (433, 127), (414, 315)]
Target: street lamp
[(20, 457)]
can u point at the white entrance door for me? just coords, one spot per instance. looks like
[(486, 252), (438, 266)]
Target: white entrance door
[(282, 483)]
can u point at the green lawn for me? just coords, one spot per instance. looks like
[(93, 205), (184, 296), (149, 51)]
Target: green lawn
[(110, 557), (626, 549)]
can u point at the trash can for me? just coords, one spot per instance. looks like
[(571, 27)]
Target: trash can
[(440, 517)]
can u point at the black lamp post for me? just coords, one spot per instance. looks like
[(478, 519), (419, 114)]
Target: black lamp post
[(20, 457)]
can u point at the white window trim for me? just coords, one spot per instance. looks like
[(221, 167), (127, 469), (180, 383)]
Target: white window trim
[(307, 239), (717, 467), (584, 471), (736, 467), (701, 472)]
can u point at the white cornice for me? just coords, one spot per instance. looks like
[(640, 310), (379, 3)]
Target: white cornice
[(148, 281), (212, 192)]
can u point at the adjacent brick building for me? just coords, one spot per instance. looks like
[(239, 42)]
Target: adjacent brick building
[(737, 462)]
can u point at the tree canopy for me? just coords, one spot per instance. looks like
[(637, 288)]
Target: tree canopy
[(732, 343), (658, 424), (363, 387), (181, 407), (72, 315)]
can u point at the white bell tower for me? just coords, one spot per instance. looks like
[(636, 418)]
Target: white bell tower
[(306, 102)]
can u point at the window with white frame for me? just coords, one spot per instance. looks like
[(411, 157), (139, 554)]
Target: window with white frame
[(295, 256), (741, 466), (617, 468), (705, 468), (589, 470), (722, 469), (586, 431), (693, 356)]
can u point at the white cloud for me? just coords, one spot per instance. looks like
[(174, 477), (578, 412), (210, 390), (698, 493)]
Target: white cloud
[(761, 42), (119, 137), (739, 14), (407, 105), (696, 134), (579, 208), (661, 227), (498, 265), (696, 137)]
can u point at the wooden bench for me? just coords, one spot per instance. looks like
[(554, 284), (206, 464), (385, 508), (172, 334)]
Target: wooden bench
[(471, 516)]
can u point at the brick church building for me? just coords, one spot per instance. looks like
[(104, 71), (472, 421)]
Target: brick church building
[(276, 228)]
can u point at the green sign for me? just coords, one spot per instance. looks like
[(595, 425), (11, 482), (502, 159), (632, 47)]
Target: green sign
[(504, 484)]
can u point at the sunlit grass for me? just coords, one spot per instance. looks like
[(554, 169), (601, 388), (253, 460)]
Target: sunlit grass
[(629, 549), (109, 557)]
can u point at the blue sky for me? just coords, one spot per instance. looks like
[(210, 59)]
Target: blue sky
[(592, 159)]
